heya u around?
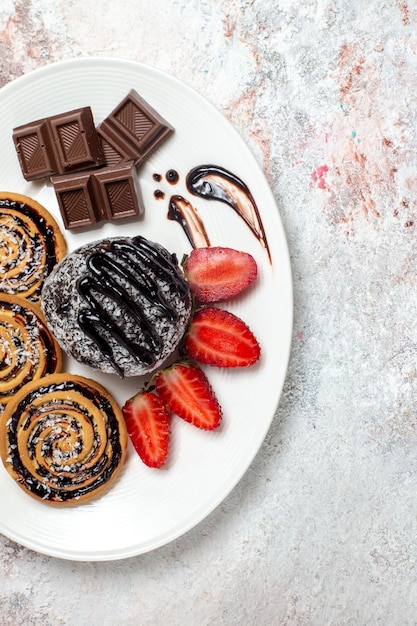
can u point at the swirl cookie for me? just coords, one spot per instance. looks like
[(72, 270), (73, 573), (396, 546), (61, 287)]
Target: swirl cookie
[(31, 244), (28, 350), (119, 305), (63, 439)]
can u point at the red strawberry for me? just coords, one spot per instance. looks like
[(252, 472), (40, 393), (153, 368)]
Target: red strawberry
[(148, 425), (218, 337), (218, 273), (185, 390)]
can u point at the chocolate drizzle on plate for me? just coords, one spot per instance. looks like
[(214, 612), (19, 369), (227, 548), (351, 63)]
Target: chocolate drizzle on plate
[(214, 182), (172, 177), (182, 211)]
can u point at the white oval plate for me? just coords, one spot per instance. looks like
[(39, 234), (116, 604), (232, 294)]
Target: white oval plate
[(147, 508)]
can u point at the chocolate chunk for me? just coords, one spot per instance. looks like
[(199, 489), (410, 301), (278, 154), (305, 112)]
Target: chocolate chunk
[(76, 139), (119, 191), (58, 144), (132, 130), (108, 193), (112, 153), (35, 150), (76, 197)]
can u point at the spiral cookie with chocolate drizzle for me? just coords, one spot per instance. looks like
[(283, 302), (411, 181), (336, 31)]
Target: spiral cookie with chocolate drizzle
[(31, 244), (28, 351), (63, 439)]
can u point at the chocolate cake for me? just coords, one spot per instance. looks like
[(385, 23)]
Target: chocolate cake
[(119, 305)]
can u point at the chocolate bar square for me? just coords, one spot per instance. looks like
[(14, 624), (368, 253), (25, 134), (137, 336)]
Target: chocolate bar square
[(118, 191), (134, 129), (35, 150), (76, 139), (113, 154), (77, 200)]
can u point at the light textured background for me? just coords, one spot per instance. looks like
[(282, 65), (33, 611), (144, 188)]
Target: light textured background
[(323, 527)]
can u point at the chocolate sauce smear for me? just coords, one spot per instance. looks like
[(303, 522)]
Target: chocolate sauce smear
[(126, 268), (214, 182), (181, 211)]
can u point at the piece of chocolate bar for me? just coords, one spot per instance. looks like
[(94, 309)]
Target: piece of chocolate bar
[(108, 193), (118, 191), (58, 144), (76, 197), (113, 154), (35, 150), (76, 140), (132, 130)]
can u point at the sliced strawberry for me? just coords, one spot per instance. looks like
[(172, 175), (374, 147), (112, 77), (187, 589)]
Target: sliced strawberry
[(185, 390), (218, 337), (218, 273), (148, 425)]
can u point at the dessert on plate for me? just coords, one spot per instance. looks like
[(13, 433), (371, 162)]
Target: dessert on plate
[(63, 439), (31, 244), (119, 305), (28, 350)]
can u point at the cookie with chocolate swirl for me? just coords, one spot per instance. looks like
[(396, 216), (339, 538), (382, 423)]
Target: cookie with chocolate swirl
[(31, 244), (119, 305), (63, 439), (28, 350)]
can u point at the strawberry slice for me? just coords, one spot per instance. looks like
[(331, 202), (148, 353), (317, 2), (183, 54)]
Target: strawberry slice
[(185, 390), (218, 337), (148, 425), (218, 273)]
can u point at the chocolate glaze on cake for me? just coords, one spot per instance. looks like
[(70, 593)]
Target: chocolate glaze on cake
[(119, 305)]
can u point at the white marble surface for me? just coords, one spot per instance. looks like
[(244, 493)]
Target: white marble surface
[(323, 527)]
